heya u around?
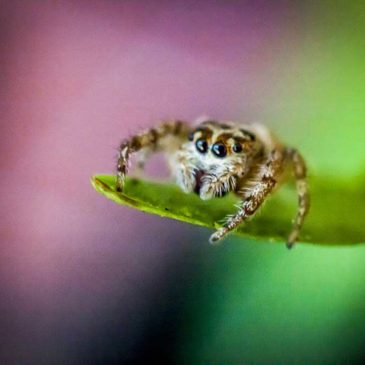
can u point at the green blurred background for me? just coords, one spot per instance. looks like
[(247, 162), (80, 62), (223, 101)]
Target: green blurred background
[(324, 102)]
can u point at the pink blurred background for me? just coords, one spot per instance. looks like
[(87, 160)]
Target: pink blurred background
[(76, 78)]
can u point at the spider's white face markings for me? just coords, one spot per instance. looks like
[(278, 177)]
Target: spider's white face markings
[(220, 153)]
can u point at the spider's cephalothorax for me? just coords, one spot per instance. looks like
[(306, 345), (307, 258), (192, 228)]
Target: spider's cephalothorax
[(215, 158)]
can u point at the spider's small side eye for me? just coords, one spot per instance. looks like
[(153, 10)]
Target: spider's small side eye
[(191, 136), (219, 149), (201, 145), (237, 148)]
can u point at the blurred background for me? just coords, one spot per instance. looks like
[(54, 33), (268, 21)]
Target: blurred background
[(84, 281)]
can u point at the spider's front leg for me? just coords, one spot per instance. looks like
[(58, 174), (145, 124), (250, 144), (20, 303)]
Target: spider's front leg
[(254, 193), (152, 140)]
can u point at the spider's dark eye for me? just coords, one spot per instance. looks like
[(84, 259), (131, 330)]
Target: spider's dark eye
[(237, 148), (219, 149), (191, 136), (201, 145)]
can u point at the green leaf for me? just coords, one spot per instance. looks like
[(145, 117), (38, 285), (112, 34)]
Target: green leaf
[(336, 216)]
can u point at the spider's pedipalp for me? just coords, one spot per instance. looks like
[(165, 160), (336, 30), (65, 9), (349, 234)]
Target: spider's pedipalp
[(184, 171), (219, 183)]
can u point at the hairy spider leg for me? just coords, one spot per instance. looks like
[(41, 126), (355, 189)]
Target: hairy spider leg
[(300, 174), (150, 139), (254, 193)]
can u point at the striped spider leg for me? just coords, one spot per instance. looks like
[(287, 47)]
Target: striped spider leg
[(167, 135), (256, 189)]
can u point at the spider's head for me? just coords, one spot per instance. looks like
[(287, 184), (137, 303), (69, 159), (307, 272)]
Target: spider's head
[(215, 142), (218, 147)]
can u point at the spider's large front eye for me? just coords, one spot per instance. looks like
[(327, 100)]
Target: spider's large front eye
[(201, 145), (219, 149)]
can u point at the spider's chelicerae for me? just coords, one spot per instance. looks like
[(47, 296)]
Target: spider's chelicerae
[(214, 158)]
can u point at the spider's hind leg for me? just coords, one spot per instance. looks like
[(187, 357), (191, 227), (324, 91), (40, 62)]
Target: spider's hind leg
[(300, 173)]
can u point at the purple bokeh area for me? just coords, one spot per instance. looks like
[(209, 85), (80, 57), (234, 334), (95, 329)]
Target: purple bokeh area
[(76, 78)]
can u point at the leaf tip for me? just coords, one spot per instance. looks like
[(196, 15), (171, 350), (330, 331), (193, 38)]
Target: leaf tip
[(100, 185)]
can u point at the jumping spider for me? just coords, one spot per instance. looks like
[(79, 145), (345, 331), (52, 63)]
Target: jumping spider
[(215, 158)]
